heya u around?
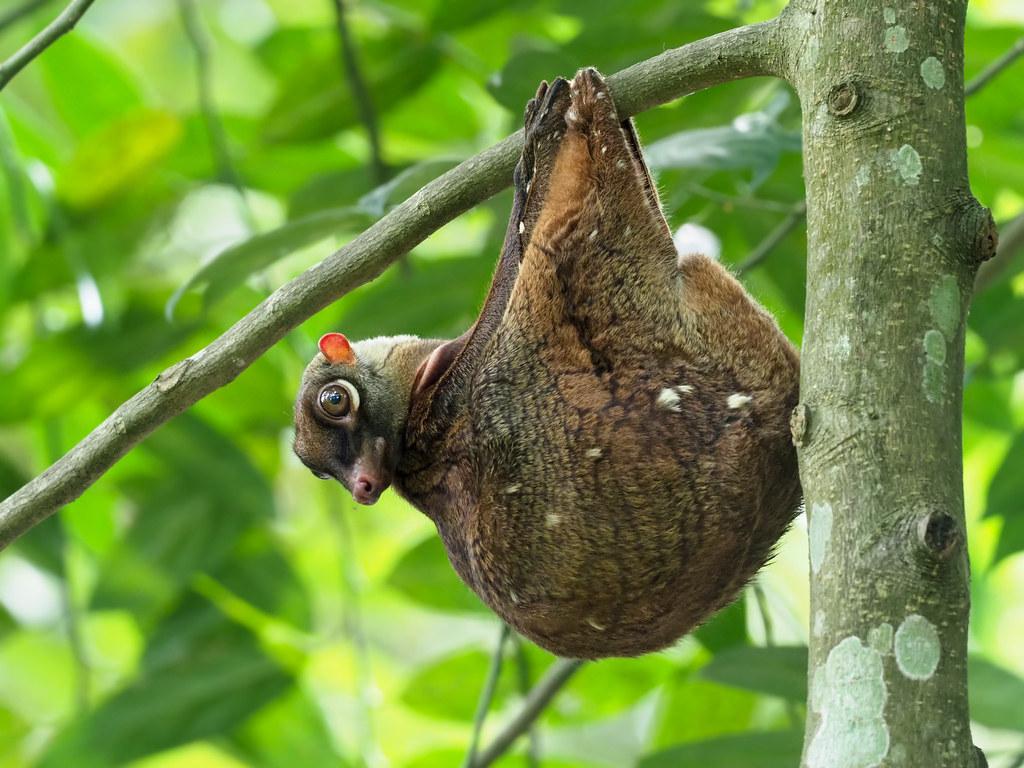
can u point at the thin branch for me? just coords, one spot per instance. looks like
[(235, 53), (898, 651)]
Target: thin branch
[(218, 138), (769, 640), (487, 696), (352, 620), (557, 676), (754, 203), (63, 24), (364, 103), (523, 680), (15, 14), (738, 53), (774, 238), (990, 72)]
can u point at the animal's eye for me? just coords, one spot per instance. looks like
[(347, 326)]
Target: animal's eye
[(338, 399)]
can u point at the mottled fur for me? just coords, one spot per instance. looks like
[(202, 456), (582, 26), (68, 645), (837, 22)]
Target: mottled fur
[(606, 453)]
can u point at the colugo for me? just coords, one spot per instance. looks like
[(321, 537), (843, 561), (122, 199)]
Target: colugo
[(606, 452)]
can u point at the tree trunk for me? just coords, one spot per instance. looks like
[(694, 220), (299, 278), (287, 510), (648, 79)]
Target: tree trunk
[(894, 239)]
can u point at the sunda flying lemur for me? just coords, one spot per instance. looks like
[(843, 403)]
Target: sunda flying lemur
[(606, 452)]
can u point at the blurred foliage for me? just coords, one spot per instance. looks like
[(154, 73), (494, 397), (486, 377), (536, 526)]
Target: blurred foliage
[(208, 603)]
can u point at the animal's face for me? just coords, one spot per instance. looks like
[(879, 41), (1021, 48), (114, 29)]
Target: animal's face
[(348, 418)]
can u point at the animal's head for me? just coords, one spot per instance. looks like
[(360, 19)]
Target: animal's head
[(352, 407), (351, 410)]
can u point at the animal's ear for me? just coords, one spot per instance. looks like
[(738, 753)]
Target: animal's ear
[(336, 349)]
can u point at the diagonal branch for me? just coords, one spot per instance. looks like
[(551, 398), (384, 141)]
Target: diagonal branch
[(738, 53), (19, 12), (554, 680), (995, 68), (63, 24), (773, 238)]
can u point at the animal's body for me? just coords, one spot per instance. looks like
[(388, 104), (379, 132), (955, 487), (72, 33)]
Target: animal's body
[(606, 453)]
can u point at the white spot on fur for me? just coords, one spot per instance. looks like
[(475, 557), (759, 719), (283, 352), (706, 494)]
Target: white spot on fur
[(513, 596), (522, 227), (514, 488), (620, 163), (738, 400), (669, 399), (684, 389), (594, 453), (604, 149), (599, 95), (593, 234), (595, 625), (551, 519), (629, 228), (528, 185), (570, 115)]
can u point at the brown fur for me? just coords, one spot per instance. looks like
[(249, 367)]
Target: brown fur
[(595, 513)]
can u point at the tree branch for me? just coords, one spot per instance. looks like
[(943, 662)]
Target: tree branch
[(361, 93), (738, 53), (552, 682), (523, 681), (19, 12), (995, 68), (773, 238), (487, 695), (63, 24), (211, 117)]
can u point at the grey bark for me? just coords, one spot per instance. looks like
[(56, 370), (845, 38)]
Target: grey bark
[(894, 240)]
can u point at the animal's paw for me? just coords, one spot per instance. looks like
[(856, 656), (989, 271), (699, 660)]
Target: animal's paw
[(592, 107)]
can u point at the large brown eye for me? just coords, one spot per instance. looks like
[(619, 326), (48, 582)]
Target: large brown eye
[(337, 400)]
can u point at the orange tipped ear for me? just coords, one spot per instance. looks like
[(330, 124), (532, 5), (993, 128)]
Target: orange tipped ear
[(336, 349)]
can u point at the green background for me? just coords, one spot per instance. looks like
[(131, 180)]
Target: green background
[(208, 602)]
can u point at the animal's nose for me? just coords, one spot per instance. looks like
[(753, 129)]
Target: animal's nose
[(365, 490)]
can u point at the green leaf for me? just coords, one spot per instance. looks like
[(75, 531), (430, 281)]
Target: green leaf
[(517, 82), (424, 575), (234, 264), (609, 687), (997, 315), (316, 101), (288, 732), (456, 288), (776, 671), (450, 688), (995, 694), (726, 628), (774, 749), (116, 156), (753, 141), (88, 85), (405, 184), (206, 495), (258, 573), (1005, 495), (201, 676), (693, 710)]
